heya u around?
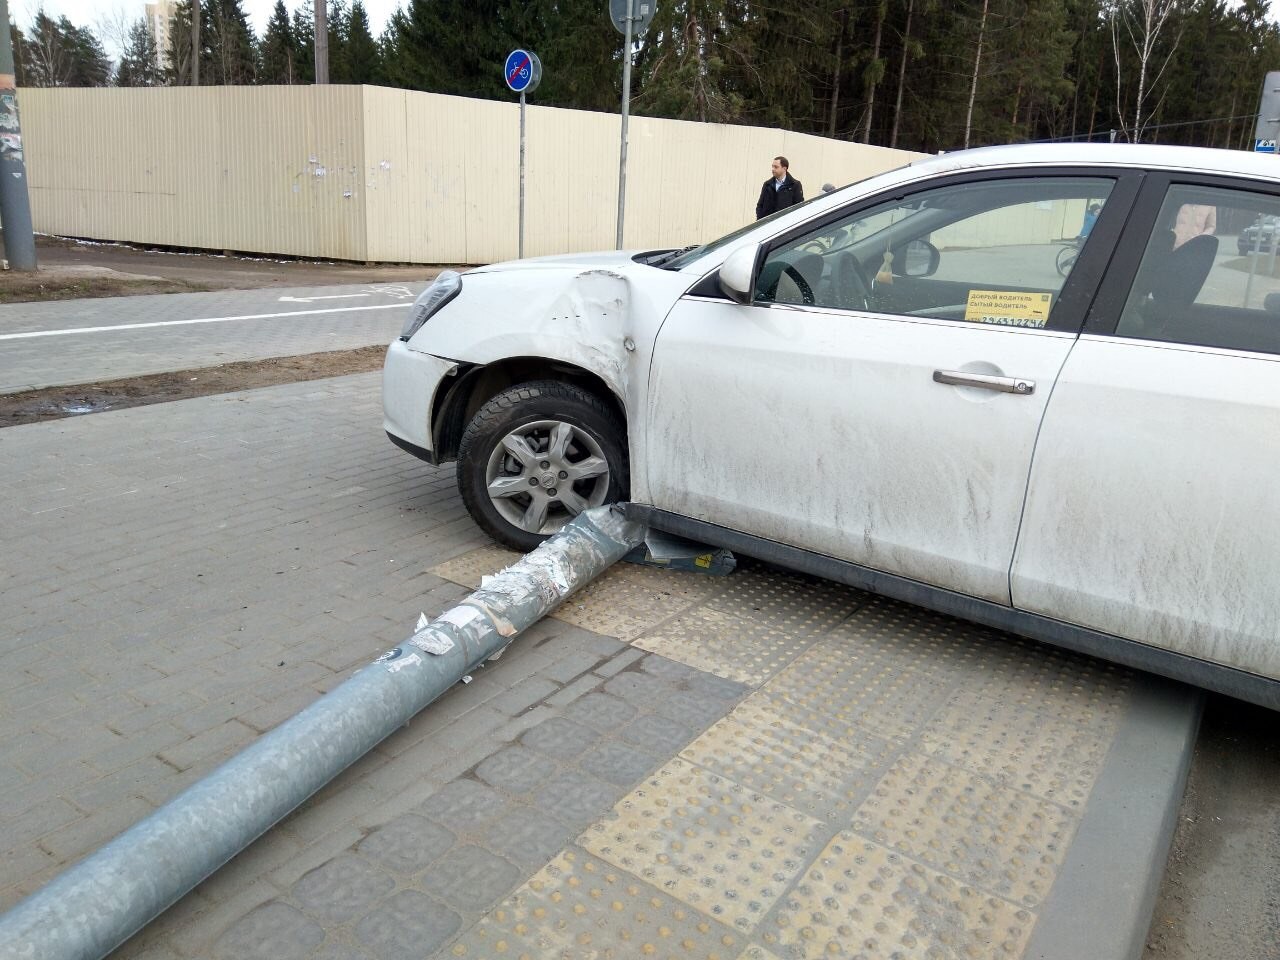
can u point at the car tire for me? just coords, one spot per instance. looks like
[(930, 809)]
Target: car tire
[(537, 454)]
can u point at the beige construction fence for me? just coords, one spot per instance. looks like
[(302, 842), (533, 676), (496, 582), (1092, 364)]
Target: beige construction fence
[(374, 174)]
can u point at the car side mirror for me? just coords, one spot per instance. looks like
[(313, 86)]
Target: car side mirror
[(919, 258), (738, 274)]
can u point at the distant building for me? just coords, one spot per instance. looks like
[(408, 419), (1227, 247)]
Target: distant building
[(159, 16)]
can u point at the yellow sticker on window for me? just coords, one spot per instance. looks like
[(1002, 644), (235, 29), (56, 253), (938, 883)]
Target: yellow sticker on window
[(1011, 308)]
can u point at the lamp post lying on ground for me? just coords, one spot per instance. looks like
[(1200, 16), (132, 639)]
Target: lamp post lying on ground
[(93, 907)]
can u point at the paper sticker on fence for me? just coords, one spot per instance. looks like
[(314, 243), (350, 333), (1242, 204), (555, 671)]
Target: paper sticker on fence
[(1012, 308)]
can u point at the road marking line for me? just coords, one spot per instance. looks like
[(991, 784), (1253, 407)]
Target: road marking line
[(178, 323), (340, 296)]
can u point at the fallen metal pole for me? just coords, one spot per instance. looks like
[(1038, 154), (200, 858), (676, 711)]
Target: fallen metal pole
[(95, 906)]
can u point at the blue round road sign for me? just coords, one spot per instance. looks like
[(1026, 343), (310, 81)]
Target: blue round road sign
[(523, 70)]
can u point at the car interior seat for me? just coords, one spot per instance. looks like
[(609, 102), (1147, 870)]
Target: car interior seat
[(1183, 272)]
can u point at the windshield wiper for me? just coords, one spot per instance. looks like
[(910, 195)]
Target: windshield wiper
[(667, 258)]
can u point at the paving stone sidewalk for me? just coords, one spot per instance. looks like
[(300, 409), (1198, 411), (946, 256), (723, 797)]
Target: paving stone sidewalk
[(759, 766)]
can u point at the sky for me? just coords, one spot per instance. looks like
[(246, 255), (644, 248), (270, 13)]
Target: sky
[(89, 13)]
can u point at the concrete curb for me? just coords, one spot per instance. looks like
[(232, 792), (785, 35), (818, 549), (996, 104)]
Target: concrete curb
[(1101, 904)]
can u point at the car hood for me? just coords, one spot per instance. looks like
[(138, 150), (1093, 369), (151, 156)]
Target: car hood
[(601, 259)]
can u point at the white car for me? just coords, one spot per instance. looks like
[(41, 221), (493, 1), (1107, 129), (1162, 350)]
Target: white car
[(895, 386)]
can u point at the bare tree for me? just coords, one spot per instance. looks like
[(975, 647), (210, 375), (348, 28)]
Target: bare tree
[(977, 66), (48, 59), (1137, 25)]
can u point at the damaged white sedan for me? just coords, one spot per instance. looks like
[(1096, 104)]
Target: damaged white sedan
[(1036, 387)]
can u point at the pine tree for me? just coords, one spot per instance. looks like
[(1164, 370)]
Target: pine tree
[(277, 51), (140, 61), (363, 56), (228, 55), (304, 45)]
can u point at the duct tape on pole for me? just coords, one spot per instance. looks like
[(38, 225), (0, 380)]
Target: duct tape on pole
[(94, 906), (523, 73)]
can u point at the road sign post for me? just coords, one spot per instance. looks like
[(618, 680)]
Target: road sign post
[(523, 73), (632, 18)]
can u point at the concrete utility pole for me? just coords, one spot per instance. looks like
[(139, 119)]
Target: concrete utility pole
[(195, 43), (322, 42), (15, 204)]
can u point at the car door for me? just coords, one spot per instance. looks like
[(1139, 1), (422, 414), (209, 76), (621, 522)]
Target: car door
[(836, 414), (1153, 509)]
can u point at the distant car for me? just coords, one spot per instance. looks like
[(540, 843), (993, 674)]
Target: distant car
[(1259, 236), (893, 385)]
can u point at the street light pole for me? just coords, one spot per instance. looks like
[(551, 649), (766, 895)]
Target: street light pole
[(626, 104), (15, 203), (321, 30)]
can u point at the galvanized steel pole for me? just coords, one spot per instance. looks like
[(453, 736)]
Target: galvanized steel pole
[(626, 109), (96, 905), (15, 202), (521, 254)]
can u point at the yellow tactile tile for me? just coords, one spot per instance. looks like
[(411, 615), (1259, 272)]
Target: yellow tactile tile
[(469, 568), (862, 900), (990, 836), (722, 849), (730, 646), (630, 599), (581, 908), (1038, 753), (882, 696), (761, 747)]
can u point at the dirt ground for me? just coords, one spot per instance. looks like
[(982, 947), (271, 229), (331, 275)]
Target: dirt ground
[(69, 268), (54, 403)]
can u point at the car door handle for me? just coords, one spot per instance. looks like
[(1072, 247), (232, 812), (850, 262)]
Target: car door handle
[(1000, 384)]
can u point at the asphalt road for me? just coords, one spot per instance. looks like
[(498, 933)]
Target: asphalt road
[(84, 341), (1221, 895)]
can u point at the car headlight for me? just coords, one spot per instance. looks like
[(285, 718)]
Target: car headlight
[(447, 286)]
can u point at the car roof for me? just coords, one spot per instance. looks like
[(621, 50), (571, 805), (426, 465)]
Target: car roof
[(1139, 156)]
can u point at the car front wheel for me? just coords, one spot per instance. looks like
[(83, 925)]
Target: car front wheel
[(537, 455)]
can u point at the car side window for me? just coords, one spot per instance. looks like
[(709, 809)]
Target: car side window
[(997, 251), (1209, 275)]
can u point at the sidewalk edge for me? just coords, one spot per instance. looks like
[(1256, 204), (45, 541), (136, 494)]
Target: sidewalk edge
[(1101, 903)]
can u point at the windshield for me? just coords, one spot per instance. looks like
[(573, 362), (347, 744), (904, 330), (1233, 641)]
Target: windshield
[(688, 256)]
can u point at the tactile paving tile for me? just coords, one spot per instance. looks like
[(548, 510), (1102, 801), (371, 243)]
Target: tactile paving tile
[(468, 568), (889, 632), (759, 746), (800, 606), (738, 648), (624, 602), (990, 836), (630, 599), (708, 841), (883, 696), (1012, 743), (1067, 686), (581, 908), (862, 900)]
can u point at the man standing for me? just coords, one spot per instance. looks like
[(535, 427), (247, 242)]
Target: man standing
[(780, 191)]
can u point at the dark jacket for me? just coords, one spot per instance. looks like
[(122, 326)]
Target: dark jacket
[(788, 195)]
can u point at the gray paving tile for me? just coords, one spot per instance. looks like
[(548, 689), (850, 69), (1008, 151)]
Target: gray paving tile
[(516, 769), (470, 878), (408, 926), (560, 737), (342, 889), (407, 844), (274, 931)]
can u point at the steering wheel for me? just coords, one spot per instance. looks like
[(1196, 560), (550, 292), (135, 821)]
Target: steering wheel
[(851, 285), (806, 291)]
